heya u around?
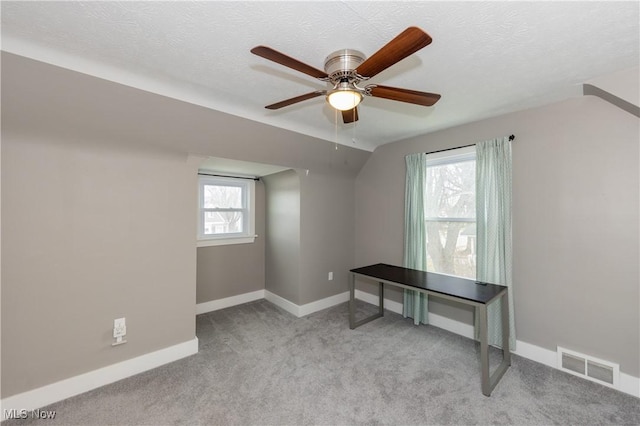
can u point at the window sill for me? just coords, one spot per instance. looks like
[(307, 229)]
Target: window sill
[(226, 241)]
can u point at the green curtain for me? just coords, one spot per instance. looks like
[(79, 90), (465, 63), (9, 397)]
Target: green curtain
[(415, 242), (493, 216)]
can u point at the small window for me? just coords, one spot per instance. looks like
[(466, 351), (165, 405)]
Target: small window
[(450, 206), (225, 210)]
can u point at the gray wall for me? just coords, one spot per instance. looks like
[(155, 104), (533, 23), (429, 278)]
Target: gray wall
[(62, 127), (327, 233), (229, 270), (45, 98), (310, 232), (575, 223), (91, 232), (283, 235)]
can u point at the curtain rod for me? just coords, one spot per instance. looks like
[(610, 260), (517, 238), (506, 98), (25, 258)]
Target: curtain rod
[(227, 176), (511, 137)]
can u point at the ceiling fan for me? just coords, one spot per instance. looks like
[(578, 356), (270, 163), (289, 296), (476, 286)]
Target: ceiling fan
[(346, 68)]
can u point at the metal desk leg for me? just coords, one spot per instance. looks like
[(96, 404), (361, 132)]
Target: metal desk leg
[(506, 350), (489, 382), (352, 308), (352, 297), (484, 350), (416, 308)]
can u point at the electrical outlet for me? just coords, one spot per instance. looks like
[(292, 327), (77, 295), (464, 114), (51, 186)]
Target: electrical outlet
[(330, 276), (119, 327)]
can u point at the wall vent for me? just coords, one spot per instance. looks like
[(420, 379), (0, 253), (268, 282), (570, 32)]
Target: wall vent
[(590, 368)]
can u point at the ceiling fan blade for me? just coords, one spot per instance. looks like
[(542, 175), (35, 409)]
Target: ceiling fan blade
[(406, 43), (350, 116), (287, 61), (404, 95), (295, 100)]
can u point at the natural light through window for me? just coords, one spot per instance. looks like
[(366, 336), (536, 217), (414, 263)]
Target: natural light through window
[(450, 208), (225, 210)]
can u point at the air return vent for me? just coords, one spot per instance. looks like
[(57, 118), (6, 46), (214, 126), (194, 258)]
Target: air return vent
[(588, 367)]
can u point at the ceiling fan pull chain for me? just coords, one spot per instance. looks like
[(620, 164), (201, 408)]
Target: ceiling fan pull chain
[(353, 138), (335, 126)]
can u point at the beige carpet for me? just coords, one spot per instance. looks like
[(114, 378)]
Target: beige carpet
[(259, 365)]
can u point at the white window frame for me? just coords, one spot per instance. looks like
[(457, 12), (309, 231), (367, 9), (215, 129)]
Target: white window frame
[(248, 192), (450, 156)]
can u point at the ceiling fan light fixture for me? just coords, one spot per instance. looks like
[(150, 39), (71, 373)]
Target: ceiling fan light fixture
[(344, 99)]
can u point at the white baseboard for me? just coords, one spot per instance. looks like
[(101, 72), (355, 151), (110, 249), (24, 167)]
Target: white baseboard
[(309, 308), (536, 353), (325, 303), (283, 303), (40, 397), (628, 384), (292, 308), (227, 302)]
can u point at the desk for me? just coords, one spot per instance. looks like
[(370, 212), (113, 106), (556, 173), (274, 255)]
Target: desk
[(469, 292)]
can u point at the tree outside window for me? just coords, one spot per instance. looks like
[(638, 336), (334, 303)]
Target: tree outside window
[(451, 211), (223, 206)]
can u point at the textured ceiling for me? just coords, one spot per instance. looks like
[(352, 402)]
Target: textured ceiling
[(486, 59)]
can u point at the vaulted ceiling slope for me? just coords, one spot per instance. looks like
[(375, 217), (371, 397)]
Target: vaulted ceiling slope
[(486, 58)]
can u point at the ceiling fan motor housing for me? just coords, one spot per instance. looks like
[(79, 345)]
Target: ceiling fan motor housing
[(341, 65)]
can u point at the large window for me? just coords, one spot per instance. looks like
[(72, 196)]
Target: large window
[(225, 210), (450, 208)]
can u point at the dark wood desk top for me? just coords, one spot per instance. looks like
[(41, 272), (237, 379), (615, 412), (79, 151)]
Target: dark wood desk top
[(438, 283)]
